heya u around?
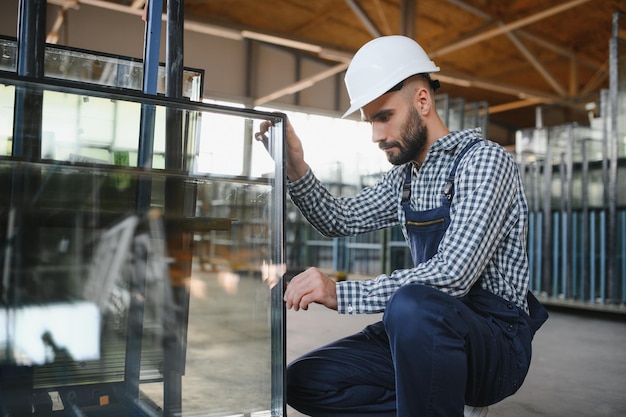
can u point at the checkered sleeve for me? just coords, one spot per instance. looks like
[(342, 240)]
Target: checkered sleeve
[(365, 296), (373, 208)]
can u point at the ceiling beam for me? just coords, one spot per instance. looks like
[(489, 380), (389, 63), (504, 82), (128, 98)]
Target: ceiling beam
[(53, 35), (320, 18), (573, 78), (558, 49), (218, 31), (514, 105), (407, 18), (462, 80), (473, 10), (538, 65), (508, 27), (75, 4), (342, 57), (301, 84), (513, 37), (138, 4), (381, 15), (574, 61), (598, 78), (364, 18)]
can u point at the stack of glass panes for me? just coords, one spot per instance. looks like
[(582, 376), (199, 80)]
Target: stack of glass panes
[(573, 178), (133, 288)]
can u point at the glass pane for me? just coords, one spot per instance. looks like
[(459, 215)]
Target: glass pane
[(98, 68), (128, 290), (7, 94), (224, 135), (620, 68)]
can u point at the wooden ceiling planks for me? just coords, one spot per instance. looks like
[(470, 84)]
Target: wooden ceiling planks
[(558, 49)]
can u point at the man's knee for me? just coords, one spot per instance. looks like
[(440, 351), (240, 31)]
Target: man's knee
[(297, 376), (414, 300), (416, 308), (296, 385)]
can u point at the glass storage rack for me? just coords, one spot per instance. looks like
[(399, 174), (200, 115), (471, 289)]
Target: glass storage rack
[(137, 278)]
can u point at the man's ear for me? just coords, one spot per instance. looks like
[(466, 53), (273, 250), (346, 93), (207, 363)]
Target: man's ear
[(422, 100)]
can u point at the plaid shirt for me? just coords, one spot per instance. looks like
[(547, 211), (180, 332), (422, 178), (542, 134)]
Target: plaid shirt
[(486, 239)]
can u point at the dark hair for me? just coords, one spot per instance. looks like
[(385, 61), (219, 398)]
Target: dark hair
[(434, 84)]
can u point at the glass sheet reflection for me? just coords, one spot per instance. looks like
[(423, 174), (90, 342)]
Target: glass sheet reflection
[(84, 66), (138, 291)]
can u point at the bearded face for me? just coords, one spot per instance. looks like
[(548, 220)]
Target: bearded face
[(413, 139)]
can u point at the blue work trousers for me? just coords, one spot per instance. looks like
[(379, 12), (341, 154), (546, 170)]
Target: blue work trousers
[(430, 355)]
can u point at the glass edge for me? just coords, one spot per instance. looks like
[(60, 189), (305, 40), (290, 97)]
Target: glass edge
[(58, 85), (278, 325)]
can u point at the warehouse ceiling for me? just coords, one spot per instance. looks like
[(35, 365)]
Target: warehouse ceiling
[(512, 54)]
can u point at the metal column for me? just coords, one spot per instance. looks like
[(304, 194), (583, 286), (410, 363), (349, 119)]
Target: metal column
[(31, 41), (144, 195), (179, 241), (16, 381), (613, 140), (547, 222), (584, 238)]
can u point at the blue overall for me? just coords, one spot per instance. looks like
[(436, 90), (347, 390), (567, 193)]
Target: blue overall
[(431, 354)]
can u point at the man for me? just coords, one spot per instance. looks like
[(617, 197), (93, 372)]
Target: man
[(457, 327)]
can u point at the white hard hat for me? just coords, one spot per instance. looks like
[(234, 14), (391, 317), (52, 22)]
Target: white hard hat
[(382, 63)]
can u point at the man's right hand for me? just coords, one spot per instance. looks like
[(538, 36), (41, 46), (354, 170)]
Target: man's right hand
[(311, 286)]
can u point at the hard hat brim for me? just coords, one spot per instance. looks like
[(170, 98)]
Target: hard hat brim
[(351, 110), (363, 101)]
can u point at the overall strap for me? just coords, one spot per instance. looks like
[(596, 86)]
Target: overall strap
[(406, 187), (449, 189)]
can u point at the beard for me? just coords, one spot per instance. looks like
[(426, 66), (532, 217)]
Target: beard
[(413, 136)]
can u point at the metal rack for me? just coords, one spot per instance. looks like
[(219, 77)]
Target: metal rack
[(83, 234), (577, 227), (101, 229)]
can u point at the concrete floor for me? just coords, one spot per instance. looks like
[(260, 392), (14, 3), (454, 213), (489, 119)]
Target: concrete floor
[(578, 367)]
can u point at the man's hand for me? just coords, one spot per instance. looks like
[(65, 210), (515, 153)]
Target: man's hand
[(311, 286), (296, 166)]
